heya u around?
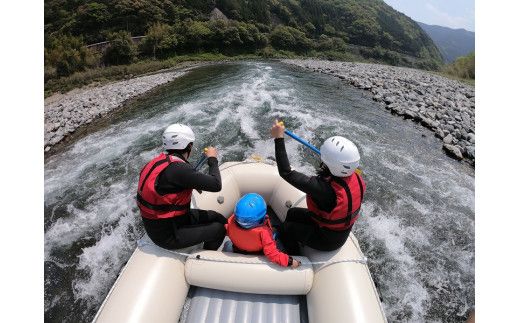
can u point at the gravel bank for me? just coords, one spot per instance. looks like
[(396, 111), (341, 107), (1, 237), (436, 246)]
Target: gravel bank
[(445, 106), (65, 113)]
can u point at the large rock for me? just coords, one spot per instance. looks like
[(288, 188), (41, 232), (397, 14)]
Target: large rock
[(470, 152), (428, 123), (439, 133), (448, 139), (407, 114), (216, 14), (453, 151), (449, 127), (389, 99)]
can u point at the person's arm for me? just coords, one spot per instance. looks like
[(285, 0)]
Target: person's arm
[(304, 183), (271, 251), (189, 178), (307, 184)]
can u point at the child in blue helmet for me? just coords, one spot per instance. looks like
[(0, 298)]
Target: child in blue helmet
[(250, 230)]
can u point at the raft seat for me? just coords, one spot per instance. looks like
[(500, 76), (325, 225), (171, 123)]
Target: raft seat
[(235, 272)]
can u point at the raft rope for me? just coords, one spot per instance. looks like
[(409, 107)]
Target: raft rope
[(196, 256)]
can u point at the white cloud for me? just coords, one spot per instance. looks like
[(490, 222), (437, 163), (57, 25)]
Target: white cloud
[(444, 19)]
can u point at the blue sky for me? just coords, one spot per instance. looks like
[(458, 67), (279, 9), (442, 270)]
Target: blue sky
[(448, 13)]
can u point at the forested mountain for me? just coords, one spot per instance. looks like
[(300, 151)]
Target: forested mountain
[(369, 28), (452, 43)]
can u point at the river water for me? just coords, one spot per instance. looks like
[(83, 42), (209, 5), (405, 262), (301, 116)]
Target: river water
[(417, 224)]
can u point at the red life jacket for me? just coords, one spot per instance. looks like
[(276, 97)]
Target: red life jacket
[(153, 205), (247, 239), (349, 195)]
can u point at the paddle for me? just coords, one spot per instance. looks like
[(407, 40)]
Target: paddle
[(300, 140), (201, 160), (308, 145)]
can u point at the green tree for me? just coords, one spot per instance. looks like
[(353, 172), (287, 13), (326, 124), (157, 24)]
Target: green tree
[(196, 35), (259, 39), (232, 37), (160, 39), (289, 38), (326, 43), (364, 32), (463, 67), (136, 16), (91, 18), (67, 54), (309, 28), (329, 30), (122, 49)]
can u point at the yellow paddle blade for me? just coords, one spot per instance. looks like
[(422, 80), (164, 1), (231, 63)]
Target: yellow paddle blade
[(359, 171), (256, 157)]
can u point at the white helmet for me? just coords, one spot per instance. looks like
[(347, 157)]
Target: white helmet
[(177, 136), (340, 155)]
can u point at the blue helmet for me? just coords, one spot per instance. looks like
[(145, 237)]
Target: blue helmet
[(250, 210)]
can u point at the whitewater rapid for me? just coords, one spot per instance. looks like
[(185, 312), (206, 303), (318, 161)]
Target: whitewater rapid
[(417, 225)]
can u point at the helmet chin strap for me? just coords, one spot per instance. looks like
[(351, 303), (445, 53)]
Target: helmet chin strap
[(188, 153)]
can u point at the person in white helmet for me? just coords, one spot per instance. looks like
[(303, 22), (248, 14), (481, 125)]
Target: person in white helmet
[(164, 195), (334, 196)]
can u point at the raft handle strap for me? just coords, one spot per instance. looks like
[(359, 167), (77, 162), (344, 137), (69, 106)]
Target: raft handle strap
[(362, 261)]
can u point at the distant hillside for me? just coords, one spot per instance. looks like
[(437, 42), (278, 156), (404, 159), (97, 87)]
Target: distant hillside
[(367, 28), (452, 43)]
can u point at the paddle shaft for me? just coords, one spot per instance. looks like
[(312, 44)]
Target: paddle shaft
[(303, 142), (201, 160)]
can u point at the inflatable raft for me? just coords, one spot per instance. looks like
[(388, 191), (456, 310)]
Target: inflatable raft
[(195, 285)]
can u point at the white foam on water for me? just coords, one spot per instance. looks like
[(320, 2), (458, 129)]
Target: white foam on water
[(107, 207), (94, 151), (103, 261), (263, 148), (404, 285)]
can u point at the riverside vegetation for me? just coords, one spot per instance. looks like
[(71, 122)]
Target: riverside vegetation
[(463, 67), (331, 29)]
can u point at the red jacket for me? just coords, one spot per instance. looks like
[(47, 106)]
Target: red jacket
[(255, 240), (152, 204), (349, 196)]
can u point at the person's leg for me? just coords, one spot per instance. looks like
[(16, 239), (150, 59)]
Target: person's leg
[(212, 234), (198, 226), (207, 225), (206, 216), (298, 227), (327, 240)]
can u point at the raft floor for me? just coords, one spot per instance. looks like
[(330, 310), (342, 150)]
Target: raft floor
[(216, 306)]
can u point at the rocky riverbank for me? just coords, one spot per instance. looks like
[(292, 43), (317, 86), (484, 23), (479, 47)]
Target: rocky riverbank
[(445, 106), (65, 113)]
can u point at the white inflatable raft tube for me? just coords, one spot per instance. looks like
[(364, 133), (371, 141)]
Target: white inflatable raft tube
[(153, 285)]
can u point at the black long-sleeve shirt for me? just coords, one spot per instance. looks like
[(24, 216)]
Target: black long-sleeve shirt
[(180, 176), (316, 187)]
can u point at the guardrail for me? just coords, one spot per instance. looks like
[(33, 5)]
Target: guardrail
[(101, 46)]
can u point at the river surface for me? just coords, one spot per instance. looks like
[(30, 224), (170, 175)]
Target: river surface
[(417, 224)]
